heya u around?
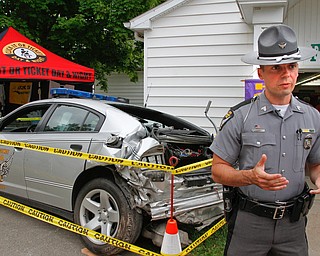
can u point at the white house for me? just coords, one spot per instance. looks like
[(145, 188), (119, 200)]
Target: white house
[(193, 49)]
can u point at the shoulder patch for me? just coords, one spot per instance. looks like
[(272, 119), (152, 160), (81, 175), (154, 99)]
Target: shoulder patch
[(226, 118)]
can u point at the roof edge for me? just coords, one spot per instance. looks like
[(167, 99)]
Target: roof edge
[(143, 21)]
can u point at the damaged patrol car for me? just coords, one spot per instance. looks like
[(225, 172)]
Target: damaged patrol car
[(118, 201)]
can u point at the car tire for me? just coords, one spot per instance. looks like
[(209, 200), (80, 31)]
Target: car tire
[(102, 207)]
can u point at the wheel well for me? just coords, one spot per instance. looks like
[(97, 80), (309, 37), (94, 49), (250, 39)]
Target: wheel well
[(106, 172)]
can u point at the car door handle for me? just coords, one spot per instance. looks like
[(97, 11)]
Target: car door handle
[(76, 147)]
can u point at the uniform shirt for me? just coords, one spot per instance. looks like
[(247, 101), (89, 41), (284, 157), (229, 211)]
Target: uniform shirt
[(254, 127)]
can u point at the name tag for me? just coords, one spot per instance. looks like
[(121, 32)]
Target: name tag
[(307, 130), (258, 130)]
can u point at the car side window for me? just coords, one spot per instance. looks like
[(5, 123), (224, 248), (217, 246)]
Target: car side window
[(90, 123), (25, 120), (70, 118)]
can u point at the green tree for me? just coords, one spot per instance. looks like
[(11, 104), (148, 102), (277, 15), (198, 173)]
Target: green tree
[(89, 32)]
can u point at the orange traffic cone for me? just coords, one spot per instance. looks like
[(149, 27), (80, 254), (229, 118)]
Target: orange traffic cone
[(171, 241)]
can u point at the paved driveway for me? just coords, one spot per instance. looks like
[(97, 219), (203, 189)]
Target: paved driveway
[(26, 236), (21, 235)]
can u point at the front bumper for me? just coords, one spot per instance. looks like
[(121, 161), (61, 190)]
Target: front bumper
[(200, 210)]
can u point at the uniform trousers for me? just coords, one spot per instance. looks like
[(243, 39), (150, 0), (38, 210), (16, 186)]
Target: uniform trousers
[(252, 235)]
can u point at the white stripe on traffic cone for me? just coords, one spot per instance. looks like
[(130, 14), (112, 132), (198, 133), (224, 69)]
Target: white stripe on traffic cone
[(171, 240)]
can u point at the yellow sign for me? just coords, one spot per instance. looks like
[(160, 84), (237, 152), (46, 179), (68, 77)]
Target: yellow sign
[(20, 92)]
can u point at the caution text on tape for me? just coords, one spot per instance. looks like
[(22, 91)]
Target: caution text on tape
[(45, 217), (87, 156), (108, 159), (67, 225)]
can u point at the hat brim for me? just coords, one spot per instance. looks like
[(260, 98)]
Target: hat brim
[(252, 57)]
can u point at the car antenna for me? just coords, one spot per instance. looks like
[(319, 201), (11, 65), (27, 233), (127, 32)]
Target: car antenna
[(206, 114)]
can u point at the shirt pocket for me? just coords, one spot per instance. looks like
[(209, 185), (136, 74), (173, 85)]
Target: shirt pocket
[(256, 144), (301, 151)]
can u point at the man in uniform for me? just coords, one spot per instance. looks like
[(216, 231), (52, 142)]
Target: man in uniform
[(262, 151)]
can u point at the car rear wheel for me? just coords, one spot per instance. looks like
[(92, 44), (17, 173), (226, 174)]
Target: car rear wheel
[(102, 207)]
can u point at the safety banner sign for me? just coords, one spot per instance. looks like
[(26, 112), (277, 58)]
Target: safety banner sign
[(23, 59), (20, 92)]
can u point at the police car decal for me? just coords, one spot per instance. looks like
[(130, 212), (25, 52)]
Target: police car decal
[(5, 164)]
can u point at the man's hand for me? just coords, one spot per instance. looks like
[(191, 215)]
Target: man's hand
[(314, 172), (315, 191), (265, 180), (224, 173)]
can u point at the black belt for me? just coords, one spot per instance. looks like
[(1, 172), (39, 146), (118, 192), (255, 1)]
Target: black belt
[(274, 211)]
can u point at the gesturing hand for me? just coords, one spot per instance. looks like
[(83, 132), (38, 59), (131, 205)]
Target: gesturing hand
[(315, 191), (265, 180)]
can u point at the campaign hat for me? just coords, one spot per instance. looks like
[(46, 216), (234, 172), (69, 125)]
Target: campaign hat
[(278, 45)]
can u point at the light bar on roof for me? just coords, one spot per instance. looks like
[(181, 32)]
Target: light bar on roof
[(58, 92)]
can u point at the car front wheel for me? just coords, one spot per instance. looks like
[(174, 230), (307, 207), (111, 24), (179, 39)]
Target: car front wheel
[(102, 207)]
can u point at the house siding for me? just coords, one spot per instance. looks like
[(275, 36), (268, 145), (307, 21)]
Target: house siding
[(119, 85), (192, 55), (304, 18), (193, 51)]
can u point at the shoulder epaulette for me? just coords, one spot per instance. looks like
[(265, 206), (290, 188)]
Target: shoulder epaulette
[(302, 101), (243, 103)]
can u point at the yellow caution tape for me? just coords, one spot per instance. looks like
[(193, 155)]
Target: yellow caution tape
[(87, 156), (67, 225), (74, 227), (110, 160), (27, 119), (205, 236), (193, 167)]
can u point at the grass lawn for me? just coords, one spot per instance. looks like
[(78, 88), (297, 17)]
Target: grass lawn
[(213, 246)]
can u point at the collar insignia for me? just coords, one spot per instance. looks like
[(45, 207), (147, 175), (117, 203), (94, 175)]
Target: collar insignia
[(264, 108)]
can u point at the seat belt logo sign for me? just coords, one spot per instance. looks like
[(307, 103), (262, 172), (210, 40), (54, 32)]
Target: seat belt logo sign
[(24, 52)]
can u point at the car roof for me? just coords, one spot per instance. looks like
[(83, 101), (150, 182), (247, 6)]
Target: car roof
[(133, 110), (99, 106)]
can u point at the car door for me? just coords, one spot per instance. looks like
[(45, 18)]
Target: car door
[(17, 127), (50, 177)]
